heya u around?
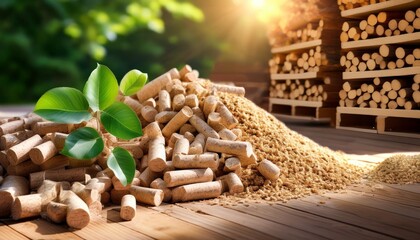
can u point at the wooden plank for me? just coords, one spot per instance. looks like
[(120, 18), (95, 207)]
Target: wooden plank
[(285, 76), (384, 146), (378, 203), (364, 217), (291, 102), (380, 112), (297, 46), (409, 38), (415, 188), (391, 5), (101, 228), (399, 195), (7, 232), (381, 73), (229, 229), (222, 226), (308, 222), (356, 129), (375, 194), (269, 227), (401, 134), (161, 226), (401, 142), (41, 229), (309, 118)]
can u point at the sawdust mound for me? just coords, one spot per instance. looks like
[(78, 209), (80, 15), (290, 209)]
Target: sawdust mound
[(305, 166), (401, 169)]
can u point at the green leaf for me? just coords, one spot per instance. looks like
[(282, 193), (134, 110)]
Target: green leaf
[(132, 82), (83, 143), (64, 105), (101, 89), (121, 121), (122, 164)]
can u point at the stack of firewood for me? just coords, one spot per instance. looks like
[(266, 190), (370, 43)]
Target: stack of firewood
[(350, 4), (305, 90), (382, 24), (382, 93), (387, 57)]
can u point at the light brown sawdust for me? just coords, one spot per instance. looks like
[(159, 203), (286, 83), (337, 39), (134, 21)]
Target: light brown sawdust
[(401, 169), (305, 166)]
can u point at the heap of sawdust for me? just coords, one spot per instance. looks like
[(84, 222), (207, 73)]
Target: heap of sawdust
[(402, 169), (305, 166)]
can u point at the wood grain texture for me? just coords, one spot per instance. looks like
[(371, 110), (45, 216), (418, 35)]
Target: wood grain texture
[(227, 228), (41, 229), (101, 228), (6, 232), (307, 222), (162, 226), (355, 214)]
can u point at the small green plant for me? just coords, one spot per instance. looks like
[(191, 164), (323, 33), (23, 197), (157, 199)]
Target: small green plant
[(98, 101)]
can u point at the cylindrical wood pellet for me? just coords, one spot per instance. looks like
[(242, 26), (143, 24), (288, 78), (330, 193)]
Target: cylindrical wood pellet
[(26, 206), (158, 183), (269, 170), (157, 155), (205, 160), (43, 152), (203, 128), (196, 191), (177, 121), (128, 207), (57, 212), (20, 152), (78, 215), (153, 87), (12, 187), (237, 148), (149, 196), (183, 177)]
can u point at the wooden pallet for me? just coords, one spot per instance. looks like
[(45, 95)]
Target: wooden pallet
[(382, 73), (397, 122), (297, 46), (306, 110), (408, 38), (392, 5)]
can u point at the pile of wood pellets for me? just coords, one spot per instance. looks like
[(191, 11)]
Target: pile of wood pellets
[(191, 150), (398, 169), (201, 141), (306, 167)]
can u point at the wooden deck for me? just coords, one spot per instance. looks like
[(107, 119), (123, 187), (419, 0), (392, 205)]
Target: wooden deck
[(363, 211)]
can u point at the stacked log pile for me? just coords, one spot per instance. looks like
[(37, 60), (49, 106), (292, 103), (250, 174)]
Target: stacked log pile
[(351, 4), (386, 57), (312, 60), (385, 93), (190, 150), (305, 90), (382, 24), (307, 43), (381, 61)]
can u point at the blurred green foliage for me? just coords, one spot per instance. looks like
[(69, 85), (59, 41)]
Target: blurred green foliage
[(50, 43)]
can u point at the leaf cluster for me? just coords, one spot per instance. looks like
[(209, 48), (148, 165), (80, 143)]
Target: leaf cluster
[(98, 101)]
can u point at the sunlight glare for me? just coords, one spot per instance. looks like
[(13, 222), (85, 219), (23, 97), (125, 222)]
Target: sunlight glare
[(258, 3)]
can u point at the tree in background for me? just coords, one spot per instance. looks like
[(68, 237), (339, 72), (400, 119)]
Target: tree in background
[(51, 43)]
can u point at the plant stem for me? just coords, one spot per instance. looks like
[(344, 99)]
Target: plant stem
[(98, 123)]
